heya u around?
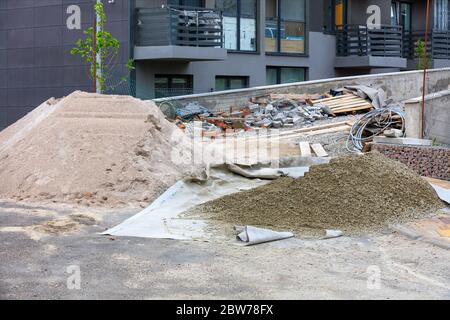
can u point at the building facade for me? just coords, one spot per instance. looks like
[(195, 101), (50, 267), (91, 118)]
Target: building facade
[(194, 46)]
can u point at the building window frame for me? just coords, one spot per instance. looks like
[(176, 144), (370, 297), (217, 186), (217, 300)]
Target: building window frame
[(330, 26), (396, 6), (170, 89), (279, 69), (279, 25), (239, 28), (228, 79)]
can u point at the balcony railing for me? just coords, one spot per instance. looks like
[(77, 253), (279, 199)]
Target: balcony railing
[(438, 46), (172, 92), (179, 26), (360, 40)]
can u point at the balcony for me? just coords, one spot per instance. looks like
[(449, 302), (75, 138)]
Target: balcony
[(179, 33), (358, 46), (438, 47)]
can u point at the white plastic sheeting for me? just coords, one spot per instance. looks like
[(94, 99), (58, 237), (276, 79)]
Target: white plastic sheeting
[(444, 194), (163, 218), (251, 235)]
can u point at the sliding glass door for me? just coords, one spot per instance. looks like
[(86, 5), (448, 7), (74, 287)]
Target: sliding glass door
[(441, 15), (285, 26), (401, 15)]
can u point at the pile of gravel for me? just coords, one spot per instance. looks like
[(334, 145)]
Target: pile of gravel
[(355, 194)]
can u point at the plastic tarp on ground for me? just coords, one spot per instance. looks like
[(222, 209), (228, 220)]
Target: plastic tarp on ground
[(163, 218), (444, 194)]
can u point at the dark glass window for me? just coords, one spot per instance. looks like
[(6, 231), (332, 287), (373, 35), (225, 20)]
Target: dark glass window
[(280, 75), (173, 85), (401, 14), (285, 26), (335, 14), (441, 14), (239, 24), (231, 82), (188, 3)]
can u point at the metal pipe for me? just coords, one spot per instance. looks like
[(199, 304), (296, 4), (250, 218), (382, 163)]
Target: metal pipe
[(98, 71), (425, 62)]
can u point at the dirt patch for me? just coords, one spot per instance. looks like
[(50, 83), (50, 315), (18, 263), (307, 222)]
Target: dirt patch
[(65, 225), (92, 150), (355, 194)]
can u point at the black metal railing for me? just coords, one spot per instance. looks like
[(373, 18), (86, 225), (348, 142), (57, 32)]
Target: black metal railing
[(438, 46), (172, 92), (179, 26), (360, 40)]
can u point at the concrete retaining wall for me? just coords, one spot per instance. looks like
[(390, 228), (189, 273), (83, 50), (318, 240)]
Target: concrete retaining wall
[(437, 117), (399, 86), (430, 162)]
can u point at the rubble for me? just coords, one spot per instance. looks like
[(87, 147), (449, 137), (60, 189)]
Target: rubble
[(280, 111)]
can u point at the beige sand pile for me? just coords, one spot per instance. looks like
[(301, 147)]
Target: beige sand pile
[(355, 194), (92, 149)]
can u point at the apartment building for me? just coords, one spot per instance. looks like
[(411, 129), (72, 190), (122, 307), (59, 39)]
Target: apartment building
[(193, 46)]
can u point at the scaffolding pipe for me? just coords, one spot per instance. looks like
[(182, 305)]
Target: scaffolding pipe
[(425, 62)]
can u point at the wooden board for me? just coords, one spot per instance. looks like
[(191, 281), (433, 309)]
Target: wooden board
[(327, 131), (320, 127), (319, 150), (334, 98), (441, 183), (350, 105), (343, 101), (445, 233), (305, 149), (353, 109)]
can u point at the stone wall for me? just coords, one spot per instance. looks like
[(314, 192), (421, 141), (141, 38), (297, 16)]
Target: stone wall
[(433, 162), (437, 117), (399, 86)]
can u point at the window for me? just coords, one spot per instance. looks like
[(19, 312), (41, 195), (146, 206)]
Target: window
[(401, 15), (188, 3), (231, 82), (335, 14), (173, 85), (280, 75), (285, 26), (239, 24), (441, 14)]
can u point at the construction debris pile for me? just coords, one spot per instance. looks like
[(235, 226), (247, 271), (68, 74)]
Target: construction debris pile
[(280, 111), (355, 194), (92, 150)]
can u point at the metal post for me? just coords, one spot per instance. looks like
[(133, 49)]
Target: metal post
[(425, 61), (98, 73)]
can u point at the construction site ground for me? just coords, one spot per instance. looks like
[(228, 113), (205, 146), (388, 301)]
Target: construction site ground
[(39, 243)]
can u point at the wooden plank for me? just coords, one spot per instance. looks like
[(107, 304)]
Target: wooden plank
[(341, 101), (305, 149), (330, 130), (324, 126), (334, 98), (350, 105), (354, 109), (319, 150), (441, 183)]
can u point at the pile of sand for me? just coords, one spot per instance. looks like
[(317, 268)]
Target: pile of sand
[(92, 149), (355, 194)]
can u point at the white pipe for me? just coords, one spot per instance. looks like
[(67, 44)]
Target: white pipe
[(98, 58)]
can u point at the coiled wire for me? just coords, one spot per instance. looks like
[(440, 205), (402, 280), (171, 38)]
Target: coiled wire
[(380, 119)]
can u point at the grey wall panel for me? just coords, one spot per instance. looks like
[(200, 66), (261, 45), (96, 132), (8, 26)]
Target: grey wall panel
[(3, 75), (3, 58), (35, 44)]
